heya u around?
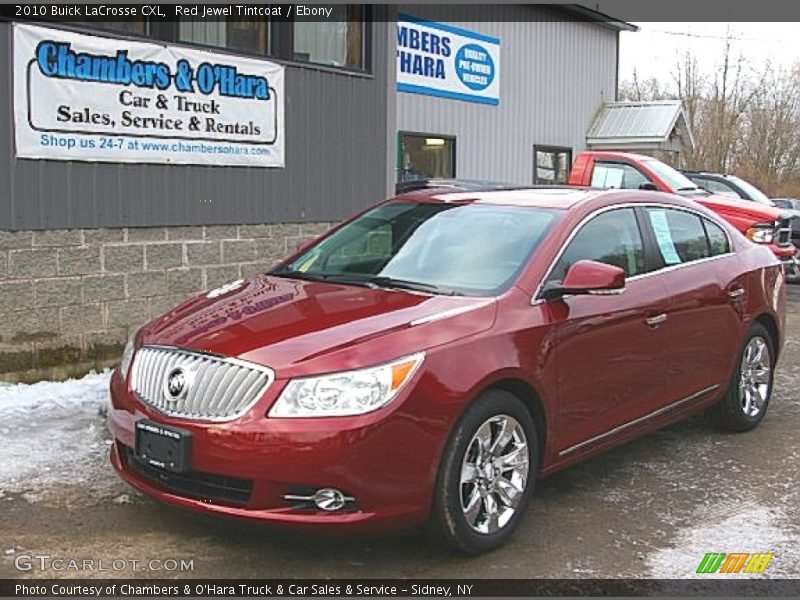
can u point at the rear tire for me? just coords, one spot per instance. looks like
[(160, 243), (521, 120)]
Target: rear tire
[(746, 401), (487, 475)]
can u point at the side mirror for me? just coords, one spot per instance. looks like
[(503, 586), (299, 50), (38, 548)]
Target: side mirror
[(648, 186), (589, 277)]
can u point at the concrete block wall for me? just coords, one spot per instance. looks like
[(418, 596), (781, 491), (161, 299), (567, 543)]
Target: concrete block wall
[(69, 298)]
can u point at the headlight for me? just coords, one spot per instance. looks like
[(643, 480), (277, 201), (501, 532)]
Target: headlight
[(761, 233), (127, 357), (348, 393)]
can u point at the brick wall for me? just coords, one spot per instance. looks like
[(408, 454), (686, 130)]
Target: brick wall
[(69, 298)]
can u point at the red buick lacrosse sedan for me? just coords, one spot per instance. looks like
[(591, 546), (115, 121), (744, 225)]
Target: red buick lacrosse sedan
[(426, 361)]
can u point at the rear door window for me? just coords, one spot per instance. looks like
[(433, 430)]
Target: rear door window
[(680, 235), (717, 239)]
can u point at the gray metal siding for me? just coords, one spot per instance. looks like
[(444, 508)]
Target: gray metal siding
[(554, 76), (336, 151)]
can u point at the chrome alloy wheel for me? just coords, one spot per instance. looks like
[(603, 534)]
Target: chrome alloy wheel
[(494, 474), (754, 376)]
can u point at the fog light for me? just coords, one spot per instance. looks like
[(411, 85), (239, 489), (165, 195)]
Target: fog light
[(327, 499)]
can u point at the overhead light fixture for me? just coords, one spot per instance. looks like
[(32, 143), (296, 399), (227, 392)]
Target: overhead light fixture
[(434, 142)]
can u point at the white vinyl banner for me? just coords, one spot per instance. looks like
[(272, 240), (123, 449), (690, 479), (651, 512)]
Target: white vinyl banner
[(93, 98)]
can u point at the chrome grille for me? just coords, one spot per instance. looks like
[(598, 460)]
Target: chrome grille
[(216, 388), (783, 232)]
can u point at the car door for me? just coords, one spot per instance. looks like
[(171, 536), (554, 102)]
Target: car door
[(707, 299), (609, 349)]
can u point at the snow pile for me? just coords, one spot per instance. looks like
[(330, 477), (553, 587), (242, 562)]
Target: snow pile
[(744, 527), (54, 436)]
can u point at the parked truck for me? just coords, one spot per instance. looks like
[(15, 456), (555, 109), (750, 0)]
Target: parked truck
[(760, 223)]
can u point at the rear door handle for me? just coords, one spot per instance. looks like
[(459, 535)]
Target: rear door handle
[(656, 320), (736, 292)]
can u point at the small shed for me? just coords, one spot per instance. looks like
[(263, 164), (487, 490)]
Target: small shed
[(658, 128)]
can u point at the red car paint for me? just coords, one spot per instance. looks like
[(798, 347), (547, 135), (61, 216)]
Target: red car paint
[(739, 213), (550, 352)]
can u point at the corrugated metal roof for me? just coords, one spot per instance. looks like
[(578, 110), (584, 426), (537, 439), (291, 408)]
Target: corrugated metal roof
[(642, 121)]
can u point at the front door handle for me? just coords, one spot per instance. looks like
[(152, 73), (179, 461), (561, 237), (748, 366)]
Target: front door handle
[(655, 321), (735, 292)]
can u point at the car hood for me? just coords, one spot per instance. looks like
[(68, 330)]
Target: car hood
[(298, 327), (740, 208), (789, 213)]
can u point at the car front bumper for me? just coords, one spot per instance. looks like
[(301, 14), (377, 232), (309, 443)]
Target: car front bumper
[(788, 257), (244, 468)]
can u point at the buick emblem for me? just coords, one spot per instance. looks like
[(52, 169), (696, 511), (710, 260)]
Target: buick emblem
[(176, 385)]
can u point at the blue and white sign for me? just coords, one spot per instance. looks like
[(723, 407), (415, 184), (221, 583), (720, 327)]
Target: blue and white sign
[(437, 59)]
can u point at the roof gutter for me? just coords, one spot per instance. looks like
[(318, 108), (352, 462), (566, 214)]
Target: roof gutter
[(587, 14)]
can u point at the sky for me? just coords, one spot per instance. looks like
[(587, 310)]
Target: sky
[(654, 50)]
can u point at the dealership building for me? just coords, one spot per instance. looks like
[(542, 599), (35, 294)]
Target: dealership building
[(147, 160)]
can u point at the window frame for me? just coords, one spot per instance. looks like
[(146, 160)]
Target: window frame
[(649, 242), (169, 33), (451, 138), (703, 218), (552, 150), (657, 249), (585, 223), (732, 189), (623, 163), (285, 47), (705, 221), (280, 42)]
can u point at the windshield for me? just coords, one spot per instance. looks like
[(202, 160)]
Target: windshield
[(441, 248), (752, 191), (678, 182)]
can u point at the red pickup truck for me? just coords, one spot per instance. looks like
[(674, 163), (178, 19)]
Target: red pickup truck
[(761, 224)]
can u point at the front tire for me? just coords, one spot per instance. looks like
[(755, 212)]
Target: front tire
[(745, 403), (486, 476)]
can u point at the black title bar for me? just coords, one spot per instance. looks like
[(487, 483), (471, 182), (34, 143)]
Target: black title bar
[(76, 12), (610, 11)]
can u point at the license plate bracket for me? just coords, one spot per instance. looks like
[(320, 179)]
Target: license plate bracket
[(162, 446)]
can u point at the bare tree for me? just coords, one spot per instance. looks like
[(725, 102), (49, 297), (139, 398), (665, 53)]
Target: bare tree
[(638, 91), (744, 121), (691, 85), (770, 145)]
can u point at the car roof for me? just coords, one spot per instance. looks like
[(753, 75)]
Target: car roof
[(615, 154), (452, 183), (553, 197), (707, 174)]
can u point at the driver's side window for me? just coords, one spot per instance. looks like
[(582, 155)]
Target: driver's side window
[(617, 175), (612, 237)]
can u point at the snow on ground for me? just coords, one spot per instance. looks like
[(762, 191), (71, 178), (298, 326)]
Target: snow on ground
[(742, 527), (54, 436)]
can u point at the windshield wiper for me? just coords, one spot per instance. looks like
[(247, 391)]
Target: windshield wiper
[(344, 279), (694, 188), (406, 284), (370, 281), (350, 280), (295, 275)]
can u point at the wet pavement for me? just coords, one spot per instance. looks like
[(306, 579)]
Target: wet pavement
[(651, 508)]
